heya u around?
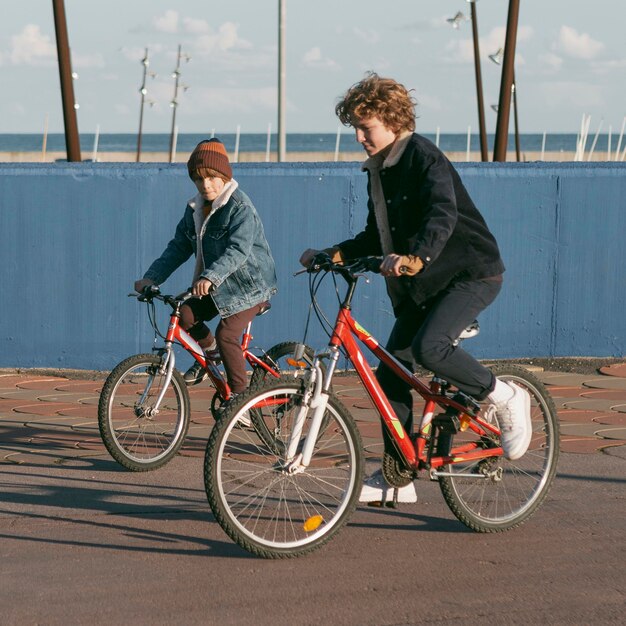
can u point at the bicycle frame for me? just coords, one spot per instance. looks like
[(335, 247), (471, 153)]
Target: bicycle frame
[(176, 334), (415, 452)]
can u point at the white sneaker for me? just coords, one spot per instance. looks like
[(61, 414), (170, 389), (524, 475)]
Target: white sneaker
[(376, 489), (514, 421)]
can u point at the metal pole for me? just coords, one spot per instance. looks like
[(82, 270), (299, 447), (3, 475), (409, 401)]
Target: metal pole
[(506, 82), (479, 86), (282, 73), (174, 104), (72, 140), (516, 122), (142, 90)]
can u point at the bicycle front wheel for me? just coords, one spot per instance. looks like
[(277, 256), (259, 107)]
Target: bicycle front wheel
[(138, 434), (264, 503), (496, 494)]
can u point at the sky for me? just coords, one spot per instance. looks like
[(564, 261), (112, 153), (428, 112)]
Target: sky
[(570, 61)]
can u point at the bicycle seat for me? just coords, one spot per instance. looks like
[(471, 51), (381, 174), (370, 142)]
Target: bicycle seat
[(265, 307)]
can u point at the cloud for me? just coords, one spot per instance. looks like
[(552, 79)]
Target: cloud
[(167, 23), (551, 61), (578, 45), (369, 36), (32, 47), (227, 38), (462, 51), (196, 26), (314, 58)]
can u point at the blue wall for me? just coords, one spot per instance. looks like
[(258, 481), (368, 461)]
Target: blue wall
[(74, 237)]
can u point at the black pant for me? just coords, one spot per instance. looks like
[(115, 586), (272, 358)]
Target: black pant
[(426, 334)]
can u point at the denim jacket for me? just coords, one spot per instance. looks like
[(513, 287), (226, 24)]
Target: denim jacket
[(234, 253)]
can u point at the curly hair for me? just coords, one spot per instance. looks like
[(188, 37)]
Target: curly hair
[(379, 97)]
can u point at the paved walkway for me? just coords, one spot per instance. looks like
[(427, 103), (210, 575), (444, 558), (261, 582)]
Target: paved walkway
[(53, 420)]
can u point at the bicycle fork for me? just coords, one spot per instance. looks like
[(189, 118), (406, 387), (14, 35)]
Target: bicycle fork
[(316, 399), (169, 361)]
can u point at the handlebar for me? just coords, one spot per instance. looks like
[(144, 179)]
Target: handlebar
[(322, 263), (152, 292)]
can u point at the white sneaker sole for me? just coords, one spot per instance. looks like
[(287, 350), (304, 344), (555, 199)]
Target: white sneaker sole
[(406, 495), (519, 450)]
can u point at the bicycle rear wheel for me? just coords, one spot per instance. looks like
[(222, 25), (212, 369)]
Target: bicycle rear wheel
[(506, 493), (136, 435), (281, 358), (263, 507)]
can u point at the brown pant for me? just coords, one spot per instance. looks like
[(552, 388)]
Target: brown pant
[(227, 334)]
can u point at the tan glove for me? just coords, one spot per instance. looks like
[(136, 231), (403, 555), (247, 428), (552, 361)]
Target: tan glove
[(334, 254), (410, 265)]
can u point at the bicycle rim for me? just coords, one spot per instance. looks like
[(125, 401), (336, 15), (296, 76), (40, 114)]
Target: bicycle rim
[(138, 436), (265, 509), (512, 490)]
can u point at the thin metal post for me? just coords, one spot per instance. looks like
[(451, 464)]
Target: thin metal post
[(72, 140), (174, 105), (174, 102), (479, 86), (518, 153), (282, 74), (142, 91), (506, 82)]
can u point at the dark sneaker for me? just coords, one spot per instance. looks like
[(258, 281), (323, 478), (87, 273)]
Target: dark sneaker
[(195, 374), (213, 356), (244, 418)]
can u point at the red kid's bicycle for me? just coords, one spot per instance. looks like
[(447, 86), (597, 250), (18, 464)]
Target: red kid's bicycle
[(287, 495), (144, 408)]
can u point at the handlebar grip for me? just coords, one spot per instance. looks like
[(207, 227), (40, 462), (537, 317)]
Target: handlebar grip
[(148, 292), (372, 264)]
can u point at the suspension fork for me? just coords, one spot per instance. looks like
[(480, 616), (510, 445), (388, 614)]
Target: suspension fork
[(315, 397), (169, 360)]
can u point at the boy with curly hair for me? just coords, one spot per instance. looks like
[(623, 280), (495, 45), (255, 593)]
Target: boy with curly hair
[(441, 263)]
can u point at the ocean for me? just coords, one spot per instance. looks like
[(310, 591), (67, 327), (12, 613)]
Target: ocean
[(296, 142)]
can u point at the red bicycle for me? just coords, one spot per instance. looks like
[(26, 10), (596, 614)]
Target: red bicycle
[(144, 408), (286, 500)]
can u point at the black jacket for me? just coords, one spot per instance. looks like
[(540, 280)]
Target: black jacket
[(431, 216)]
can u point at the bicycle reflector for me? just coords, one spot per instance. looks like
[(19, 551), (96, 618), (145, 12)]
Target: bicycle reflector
[(313, 523), (296, 363)]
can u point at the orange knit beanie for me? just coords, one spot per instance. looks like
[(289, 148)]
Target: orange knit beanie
[(210, 154)]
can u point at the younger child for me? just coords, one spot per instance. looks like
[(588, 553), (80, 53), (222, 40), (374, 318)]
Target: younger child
[(234, 275)]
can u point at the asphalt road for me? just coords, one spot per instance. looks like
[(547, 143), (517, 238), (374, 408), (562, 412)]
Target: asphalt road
[(89, 543)]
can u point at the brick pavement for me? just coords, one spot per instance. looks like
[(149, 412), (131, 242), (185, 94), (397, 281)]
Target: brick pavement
[(53, 419)]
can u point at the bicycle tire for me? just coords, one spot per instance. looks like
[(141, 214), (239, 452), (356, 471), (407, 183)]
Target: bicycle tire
[(515, 489), (276, 357), (263, 508), (135, 439)]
